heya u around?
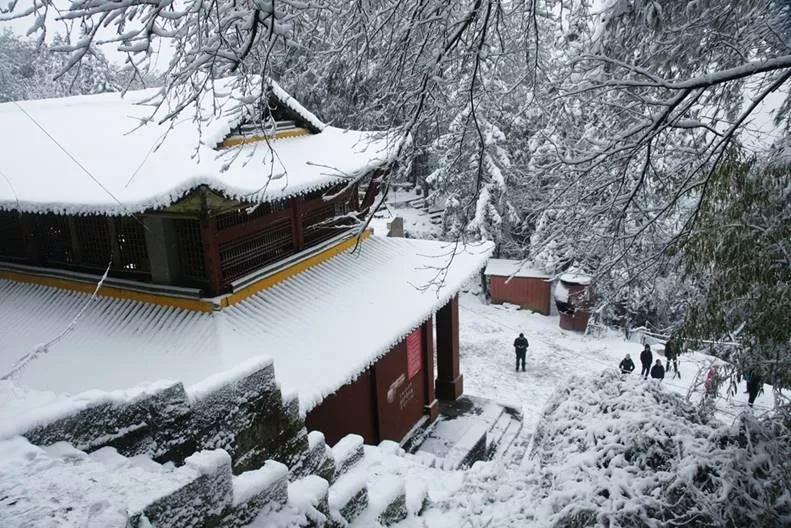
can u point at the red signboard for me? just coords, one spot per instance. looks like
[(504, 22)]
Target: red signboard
[(414, 352)]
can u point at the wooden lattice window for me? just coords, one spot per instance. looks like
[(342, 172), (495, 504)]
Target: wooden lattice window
[(12, 238), (319, 225), (94, 240), (130, 235), (53, 237), (226, 220), (190, 248), (243, 255)]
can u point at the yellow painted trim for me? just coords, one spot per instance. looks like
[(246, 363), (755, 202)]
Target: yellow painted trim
[(196, 305), (296, 268), (240, 140)]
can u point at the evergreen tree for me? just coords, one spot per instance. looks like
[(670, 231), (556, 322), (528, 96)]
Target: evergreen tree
[(739, 257)]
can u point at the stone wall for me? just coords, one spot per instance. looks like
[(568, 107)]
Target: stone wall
[(244, 414)]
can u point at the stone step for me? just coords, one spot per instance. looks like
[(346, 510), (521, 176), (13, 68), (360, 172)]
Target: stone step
[(470, 448), (348, 497), (317, 461), (257, 492), (387, 503), (347, 453), (310, 497), (496, 433)]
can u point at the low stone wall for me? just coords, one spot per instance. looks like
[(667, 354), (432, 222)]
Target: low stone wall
[(216, 498), (241, 411)]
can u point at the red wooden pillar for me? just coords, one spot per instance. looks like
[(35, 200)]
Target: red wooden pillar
[(450, 382), (297, 230), (372, 190), (211, 254), (431, 405)]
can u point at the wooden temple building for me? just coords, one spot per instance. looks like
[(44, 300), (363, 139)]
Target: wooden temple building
[(222, 241)]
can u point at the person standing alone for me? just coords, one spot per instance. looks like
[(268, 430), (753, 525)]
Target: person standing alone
[(646, 358), (520, 346)]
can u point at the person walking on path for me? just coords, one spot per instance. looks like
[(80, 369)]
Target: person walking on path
[(626, 365), (646, 358), (671, 354), (520, 346), (658, 371), (754, 386)]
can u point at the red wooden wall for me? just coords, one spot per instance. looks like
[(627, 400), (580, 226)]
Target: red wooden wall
[(532, 293), (385, 402)]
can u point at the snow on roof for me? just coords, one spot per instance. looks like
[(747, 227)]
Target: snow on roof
[(576, 278), (512, 268), (154, 165), (304, 324)]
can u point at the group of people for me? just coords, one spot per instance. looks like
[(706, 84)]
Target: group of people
[(649, 368)]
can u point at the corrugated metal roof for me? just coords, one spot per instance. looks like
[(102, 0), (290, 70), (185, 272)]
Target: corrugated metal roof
[(322, 327)]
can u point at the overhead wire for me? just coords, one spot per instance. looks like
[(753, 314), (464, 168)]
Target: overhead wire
[(76, 161)]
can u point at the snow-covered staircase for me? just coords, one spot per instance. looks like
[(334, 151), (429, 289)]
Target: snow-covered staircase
[(468, 430)]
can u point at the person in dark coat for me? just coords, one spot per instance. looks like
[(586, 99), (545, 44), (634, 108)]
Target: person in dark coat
[(646, 358), (754, 386), (658, 371), (671, 353), (520, 346), (626, 365)]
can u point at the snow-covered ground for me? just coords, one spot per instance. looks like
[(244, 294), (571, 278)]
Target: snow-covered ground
[(501, 493), (403, 203), (487, 333)]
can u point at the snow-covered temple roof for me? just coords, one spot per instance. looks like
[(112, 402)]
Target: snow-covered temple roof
[(322, 327), (133, 168)]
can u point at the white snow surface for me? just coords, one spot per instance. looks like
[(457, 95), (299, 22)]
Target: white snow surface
[(512, 268), (250, 483), (382, 291), (576, 278), (152, 166), (74, 489)]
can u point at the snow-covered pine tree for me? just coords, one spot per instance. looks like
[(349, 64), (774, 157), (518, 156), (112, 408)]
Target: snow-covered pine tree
[(471, 178)]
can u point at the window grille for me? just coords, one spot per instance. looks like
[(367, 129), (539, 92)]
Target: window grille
[(190, 248), (95, 243), (226, 220), (130, 236), (243, 255), (54, 239), (12, 239), (320, 224)]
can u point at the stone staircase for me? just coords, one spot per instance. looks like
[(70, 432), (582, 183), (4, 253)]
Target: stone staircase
[(419, 203), (468, 430)]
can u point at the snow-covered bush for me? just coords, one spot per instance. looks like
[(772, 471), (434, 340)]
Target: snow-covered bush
[(615, 451)]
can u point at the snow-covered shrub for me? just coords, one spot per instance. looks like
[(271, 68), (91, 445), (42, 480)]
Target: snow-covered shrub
[(615, 451)]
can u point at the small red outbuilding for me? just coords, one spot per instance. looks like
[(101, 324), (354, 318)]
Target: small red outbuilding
[(574, 299), (510, 282)]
